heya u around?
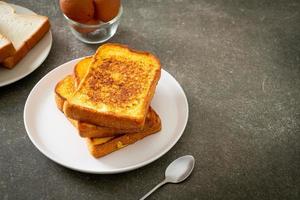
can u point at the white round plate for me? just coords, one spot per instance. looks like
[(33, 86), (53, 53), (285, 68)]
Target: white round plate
[(34, 58), (55, 137)]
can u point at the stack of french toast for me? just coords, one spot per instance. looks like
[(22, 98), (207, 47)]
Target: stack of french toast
[(108, 97)]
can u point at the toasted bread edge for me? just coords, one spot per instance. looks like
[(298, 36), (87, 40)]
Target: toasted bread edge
[(120, 142)]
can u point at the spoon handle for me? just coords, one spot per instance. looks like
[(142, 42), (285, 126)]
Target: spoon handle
[(155, 188)]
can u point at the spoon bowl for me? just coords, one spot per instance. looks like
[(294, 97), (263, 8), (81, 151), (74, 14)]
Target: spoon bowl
[(180, 169), (176, 172)]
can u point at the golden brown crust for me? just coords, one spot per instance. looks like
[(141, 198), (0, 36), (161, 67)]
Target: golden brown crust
[(87, 115), (38, 35), (59, 95), (125, 140), (10, 62), (6, 51), (63, 89), (134, 51), (90, 130), (115, 118)]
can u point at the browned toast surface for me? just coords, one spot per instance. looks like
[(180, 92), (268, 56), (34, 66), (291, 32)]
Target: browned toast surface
[(63, 90), (66, 87), (117, 90)]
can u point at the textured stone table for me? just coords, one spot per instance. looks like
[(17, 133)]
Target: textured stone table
[(239, 64)]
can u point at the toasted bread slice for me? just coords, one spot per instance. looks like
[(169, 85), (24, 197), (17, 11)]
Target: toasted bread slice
[(102, 146), (99, 148), (23, 30), (117, 90), (90, 130), (65, 88), (6, 48), (106, 143)]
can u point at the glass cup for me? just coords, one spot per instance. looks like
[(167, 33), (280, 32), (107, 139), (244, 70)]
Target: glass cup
[(95, 33)]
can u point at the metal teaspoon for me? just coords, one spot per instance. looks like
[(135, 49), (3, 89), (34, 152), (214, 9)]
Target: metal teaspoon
[(176, 172)]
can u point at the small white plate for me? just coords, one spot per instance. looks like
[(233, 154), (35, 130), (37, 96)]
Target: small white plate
[(34, 58), (55, 137)]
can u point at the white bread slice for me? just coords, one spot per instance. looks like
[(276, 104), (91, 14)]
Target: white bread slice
[(23, 30), (6, 48)]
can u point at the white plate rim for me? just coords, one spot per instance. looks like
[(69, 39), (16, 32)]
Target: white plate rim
[(19, 77), (120, 170)]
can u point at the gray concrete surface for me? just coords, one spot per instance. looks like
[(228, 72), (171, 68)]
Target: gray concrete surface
[(239, 63)]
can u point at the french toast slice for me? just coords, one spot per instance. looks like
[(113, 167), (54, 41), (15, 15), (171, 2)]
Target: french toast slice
[(106, 143), (117, 90), (99, 147), (63, 90), (66, 87)]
